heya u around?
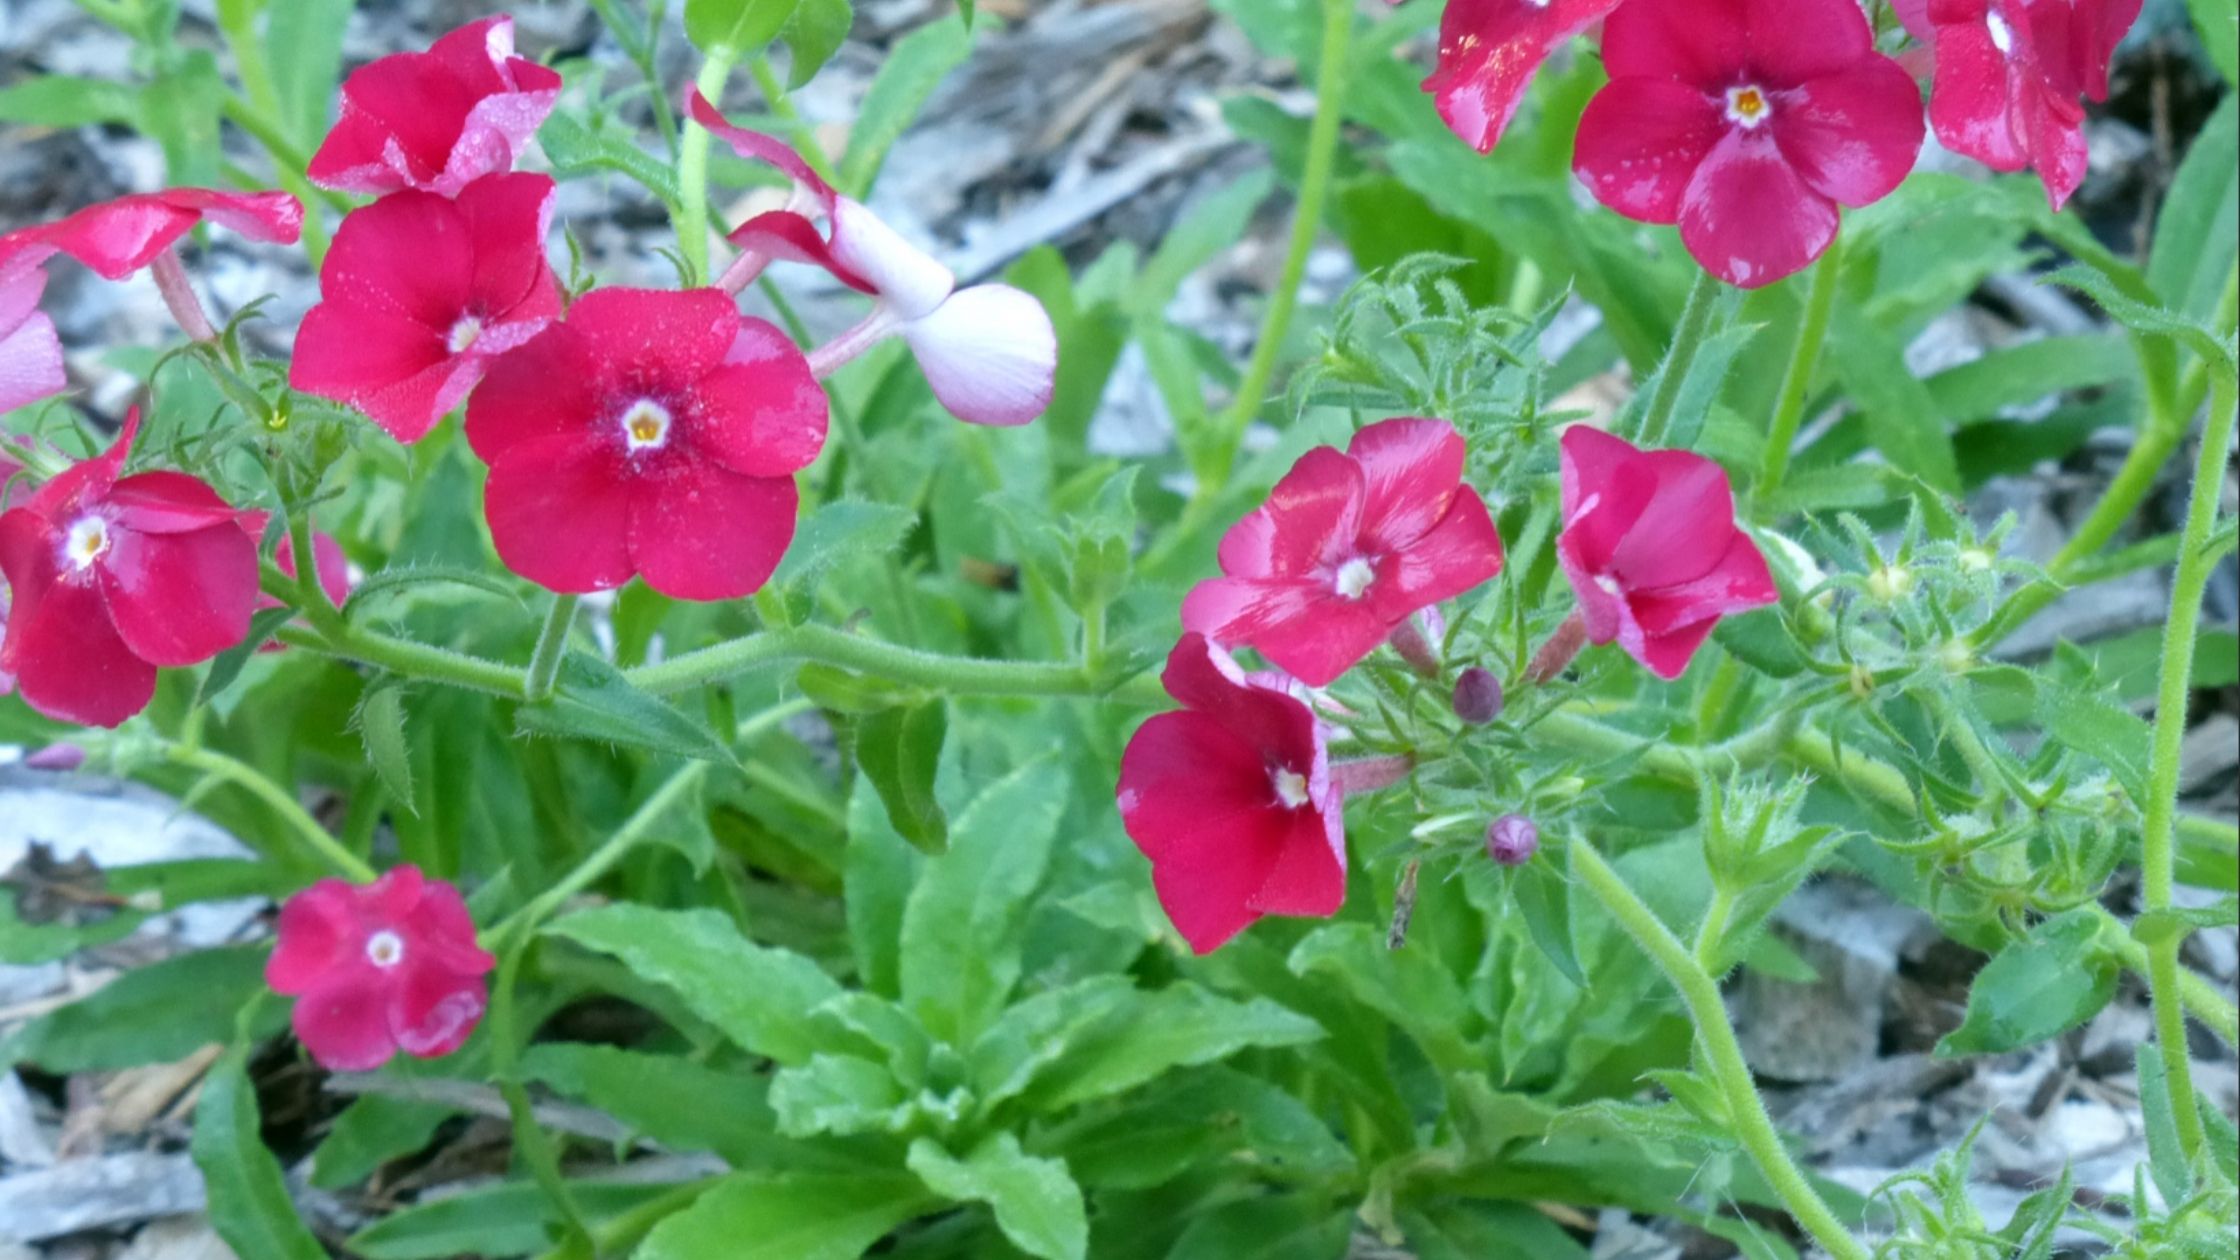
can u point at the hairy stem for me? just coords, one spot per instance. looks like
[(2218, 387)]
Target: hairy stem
[(330, 851), (1796, 380), (1746, 1109), (1687, 338), (552, 645), (691, 220), (2159, 860)]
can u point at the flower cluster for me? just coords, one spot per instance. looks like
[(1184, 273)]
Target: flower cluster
[(1235, 800), (1749, 122)]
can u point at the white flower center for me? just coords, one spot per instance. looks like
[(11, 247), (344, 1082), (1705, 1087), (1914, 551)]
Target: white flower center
[(87, 540), (463, 334), (1748, 105), (2002, 35), (645, 426), (1291, 787), (385, 949), (1354, 577), (1608, 584)]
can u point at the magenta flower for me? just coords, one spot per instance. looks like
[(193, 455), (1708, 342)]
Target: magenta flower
[(1488, 51), (1233, 802), (437, 120), (119, 237), (421, 292), (988, 351), (1746, 122), (30, 353), (381, 967), (1348, 546), (1651, 548), (115, 576), (2009, 74), (651, 433)]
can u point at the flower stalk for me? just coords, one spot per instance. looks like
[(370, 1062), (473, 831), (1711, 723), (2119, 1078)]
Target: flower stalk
[(552, 646), (171, 281), (1722, 1052), (1796, 379), (1687, 339)]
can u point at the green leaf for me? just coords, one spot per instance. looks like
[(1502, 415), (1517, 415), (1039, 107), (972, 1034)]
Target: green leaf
[(1193, 1119), (899, 750), (672, 1100), (2219, 23), (2166, 1156), (594, 701), (61, 100), (1761, 639), (1271, 1227), (249, 1204), (838, 531), (2140, 317), (879, 872), (914, 67), (2157, 926), (759, 997), (2196, 233), (1544, 899), (1036, 1202), (814, 32), (159, 1013), (180, 109), (515, 1218), (576, 151), (1216, 222), (1901, 417), (961, 927), (380, 722), (736, 28), (1462, 1229), (2039, 987), (797, 1217), (1405, 986), (2018, 374), (2113, 736), (840, 1094), (1151, 1033), (303, 45)]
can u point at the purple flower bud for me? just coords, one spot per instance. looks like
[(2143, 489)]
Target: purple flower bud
[(56, 757), (1477, 696), (1512, 839)]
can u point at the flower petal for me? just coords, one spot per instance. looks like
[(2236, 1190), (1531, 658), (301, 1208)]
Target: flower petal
[(439, 119), (655, 339), (1411, 470), (1852, 135), (791, 236), (432, 1010), (1640, 142), (762, 412), (559, 511), (344, 1022), (757, 147), (181, 598), (1683, 528), (398, 372), (1311, 517), (701, 531), (1969, 100), (1458, 553), (1793, 42), (1748, 217), (68, 660), (910, 280), (1700, 43), (30, 353), (318, 931), (1488, 51), (552, 385), (1308, 877), (989, 353), (408, 256)]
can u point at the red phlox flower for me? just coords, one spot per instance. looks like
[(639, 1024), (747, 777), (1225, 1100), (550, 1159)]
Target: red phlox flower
[(30, 353), (651, 433), (113, 576), (380, 967), (1349, 545), (989, 351), (421, 292), (119, 237), (1651, 548), (437, 120), (2009, 74), (1232, 800), (1488, 51), (1746, 122)]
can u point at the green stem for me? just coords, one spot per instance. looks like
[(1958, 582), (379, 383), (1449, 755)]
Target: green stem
[(1712, 934), (2159, 861), (1796, 380), (692, 173), (552, 645), (951, 675), (242, 775), (530, 1141), (1306, 225), (1746, 1109), (1687, 338)]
